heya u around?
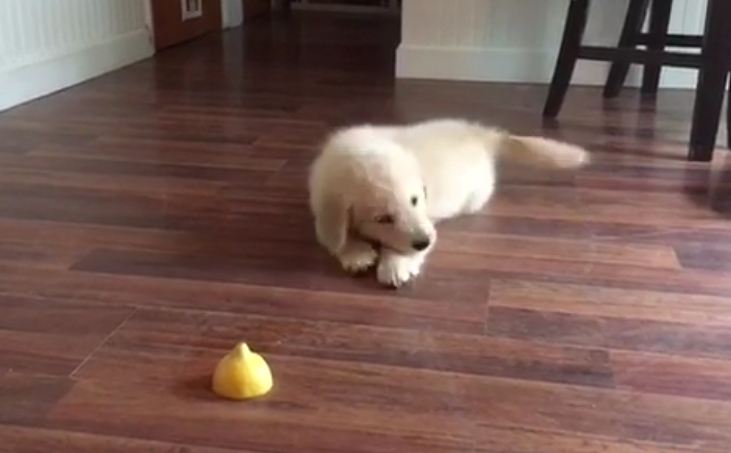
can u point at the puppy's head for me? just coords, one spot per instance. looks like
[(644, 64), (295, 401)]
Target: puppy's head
[(371, 188), (388, 204)]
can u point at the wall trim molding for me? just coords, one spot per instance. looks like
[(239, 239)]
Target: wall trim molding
[(33, 80), (391, 8), (512, 65)]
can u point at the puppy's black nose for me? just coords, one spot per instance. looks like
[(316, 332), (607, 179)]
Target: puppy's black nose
[(421, 244)]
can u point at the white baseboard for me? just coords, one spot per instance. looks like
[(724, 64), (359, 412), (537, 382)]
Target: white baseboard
[(512, 65), (30, 81), (344, 8)]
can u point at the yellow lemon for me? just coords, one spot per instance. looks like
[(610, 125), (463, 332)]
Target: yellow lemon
[(242, 374)]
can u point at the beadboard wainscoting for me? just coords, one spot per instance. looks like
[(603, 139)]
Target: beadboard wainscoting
[(47, 45), (517, 40)]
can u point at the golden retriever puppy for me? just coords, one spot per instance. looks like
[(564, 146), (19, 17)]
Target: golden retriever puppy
[(376, 192)]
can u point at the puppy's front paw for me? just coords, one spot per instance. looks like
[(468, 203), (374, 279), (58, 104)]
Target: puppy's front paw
[(395, 270), (358, 257)]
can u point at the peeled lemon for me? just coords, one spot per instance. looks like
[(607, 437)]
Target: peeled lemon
[(242, 374)]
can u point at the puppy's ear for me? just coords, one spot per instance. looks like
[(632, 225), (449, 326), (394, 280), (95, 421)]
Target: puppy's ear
[(425, 192), (332, 220)]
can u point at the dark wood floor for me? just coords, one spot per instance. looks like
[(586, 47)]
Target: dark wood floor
[(153, 217)]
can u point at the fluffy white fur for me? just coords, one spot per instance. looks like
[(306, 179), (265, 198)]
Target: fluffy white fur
[(377, 191)]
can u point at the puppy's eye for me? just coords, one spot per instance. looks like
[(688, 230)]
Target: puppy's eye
[(414, 200), (384, 219)]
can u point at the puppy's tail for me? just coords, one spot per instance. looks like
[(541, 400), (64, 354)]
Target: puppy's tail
[(542, 152)]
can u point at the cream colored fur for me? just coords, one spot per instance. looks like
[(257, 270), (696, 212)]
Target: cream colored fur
[(377, 191)]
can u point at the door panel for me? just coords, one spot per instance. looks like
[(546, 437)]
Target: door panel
[(256, 8), (171, 28)]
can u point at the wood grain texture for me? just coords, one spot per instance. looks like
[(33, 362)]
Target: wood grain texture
[(18, 439), (53, 338), (153, 217)]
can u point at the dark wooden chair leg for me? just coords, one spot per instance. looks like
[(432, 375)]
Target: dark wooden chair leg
[(286, 6), (659, 21), (568, 54), (716, 62), (636, 13)]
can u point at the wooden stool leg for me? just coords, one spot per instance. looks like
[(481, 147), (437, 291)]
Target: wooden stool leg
[(659, 22), (568, 54), (284, 7), (716, 61), (633, 22)]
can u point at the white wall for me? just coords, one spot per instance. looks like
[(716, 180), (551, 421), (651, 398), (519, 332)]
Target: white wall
[(517, 40), (47, 45), (232, 13)]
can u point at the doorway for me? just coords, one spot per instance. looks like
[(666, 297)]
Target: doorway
[(178, 21)]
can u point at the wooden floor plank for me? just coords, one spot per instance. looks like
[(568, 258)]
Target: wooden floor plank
[(266, 264), (26, 399), (596, 301), (18, 439), (53, 338), (641, 335), (672, 375), (570, 250), (360, 303)]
